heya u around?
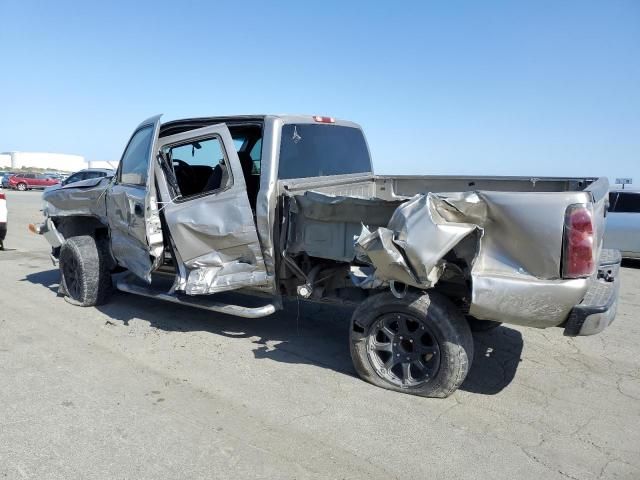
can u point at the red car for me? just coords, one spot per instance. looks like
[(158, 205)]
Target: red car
[(28, 181)]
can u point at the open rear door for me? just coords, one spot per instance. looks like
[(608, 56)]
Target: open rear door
[(132, 209), (207, 211)]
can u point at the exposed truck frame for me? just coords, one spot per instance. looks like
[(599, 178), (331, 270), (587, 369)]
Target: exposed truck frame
[(293, 209)]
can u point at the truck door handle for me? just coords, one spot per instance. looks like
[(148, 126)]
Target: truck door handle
[(138, 210)]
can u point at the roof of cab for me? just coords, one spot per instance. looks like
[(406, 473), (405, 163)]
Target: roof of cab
[(182, 125)]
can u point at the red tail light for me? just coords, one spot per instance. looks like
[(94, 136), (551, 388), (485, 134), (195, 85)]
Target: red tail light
[(321, 119), (2, 196), (578, 256)]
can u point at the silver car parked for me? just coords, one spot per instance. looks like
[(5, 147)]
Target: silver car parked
[(623, 223)]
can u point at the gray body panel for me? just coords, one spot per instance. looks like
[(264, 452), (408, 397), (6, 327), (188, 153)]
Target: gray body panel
[(85, 198), (132, 218)]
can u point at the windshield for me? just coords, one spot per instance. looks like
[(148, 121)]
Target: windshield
[(309, 150)]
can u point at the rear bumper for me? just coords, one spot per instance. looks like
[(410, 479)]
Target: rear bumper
[(598, 308)]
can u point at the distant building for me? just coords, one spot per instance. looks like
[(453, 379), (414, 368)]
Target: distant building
[(101, 164), (51, 161)]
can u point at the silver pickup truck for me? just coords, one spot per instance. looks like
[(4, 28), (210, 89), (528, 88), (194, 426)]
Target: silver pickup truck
[(288, 206)]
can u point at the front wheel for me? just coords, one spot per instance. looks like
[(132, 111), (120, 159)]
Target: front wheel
[(420, 344), (22, 187), (86, 280)]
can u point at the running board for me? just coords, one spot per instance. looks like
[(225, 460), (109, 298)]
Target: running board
[(198, 302)]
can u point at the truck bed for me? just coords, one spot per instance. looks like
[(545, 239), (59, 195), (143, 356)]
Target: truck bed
[(509, 230)]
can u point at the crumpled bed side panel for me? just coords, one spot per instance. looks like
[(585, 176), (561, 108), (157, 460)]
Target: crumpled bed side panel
[(420, 233)]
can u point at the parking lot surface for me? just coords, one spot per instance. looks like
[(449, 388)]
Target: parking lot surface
[(141, 389)]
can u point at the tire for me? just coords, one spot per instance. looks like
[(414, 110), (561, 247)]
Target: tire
[(479, 326), (425, 329), (22, 187), (85, 276)]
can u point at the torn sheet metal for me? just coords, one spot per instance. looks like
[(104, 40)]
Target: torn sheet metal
[(420, 233), (363, 277), (217, 240), (378, 249), (222, 270)]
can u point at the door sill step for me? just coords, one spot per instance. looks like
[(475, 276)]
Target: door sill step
[(201, 302)]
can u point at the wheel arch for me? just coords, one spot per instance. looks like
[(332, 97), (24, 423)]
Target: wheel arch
[(76, 225), (79, 225)]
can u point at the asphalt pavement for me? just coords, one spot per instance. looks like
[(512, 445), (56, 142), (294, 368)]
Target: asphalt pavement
[(139, 389)]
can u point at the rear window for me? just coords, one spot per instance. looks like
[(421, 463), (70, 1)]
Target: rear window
[(309, 150), (624, 202)]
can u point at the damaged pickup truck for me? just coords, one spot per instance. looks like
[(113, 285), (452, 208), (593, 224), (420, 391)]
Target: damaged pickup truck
[(288, 206)]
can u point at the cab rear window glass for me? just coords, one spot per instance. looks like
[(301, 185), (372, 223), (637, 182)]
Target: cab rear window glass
[(309, 150), (625, 203)]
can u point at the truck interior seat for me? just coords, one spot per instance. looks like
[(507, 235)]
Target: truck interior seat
[(219, 177), (192, 179)]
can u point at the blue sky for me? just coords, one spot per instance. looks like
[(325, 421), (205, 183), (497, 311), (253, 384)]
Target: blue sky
[(451, 87)]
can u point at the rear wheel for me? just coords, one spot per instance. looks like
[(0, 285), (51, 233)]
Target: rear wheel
[(22, 186), (420, 344), (86, 280)]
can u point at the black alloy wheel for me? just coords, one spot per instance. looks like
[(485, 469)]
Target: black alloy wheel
[(403, 350)]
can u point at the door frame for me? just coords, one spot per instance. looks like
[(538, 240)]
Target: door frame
[(211, 256), (143, 248)]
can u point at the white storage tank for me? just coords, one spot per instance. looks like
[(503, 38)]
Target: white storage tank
[(5, 160), (47, 161)]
